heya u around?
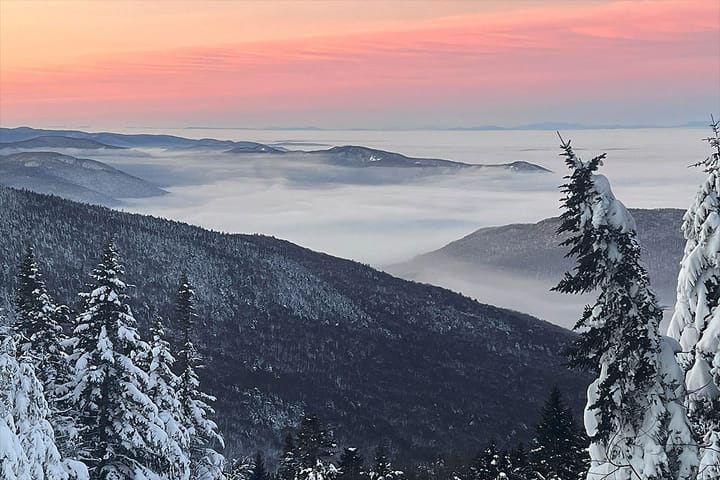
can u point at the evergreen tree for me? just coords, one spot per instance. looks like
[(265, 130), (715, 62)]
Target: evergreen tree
[(351, 465), (238, 469), (313, 442), (27, 441), (559, 449), (121, 433), (162, 390), (314, 446), (39, 326), (381, 462), (258, 471), (205, 462), (38, 323), (519, 467), (634, 415), (289, 464), (382, 468), (489, 464), (696, 319)]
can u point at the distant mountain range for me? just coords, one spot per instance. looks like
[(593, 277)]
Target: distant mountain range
[(576, 126), (526, 126), (357, 156), (78, 179), (55, 141), (25, 138), (285, 329), (492, 263), (20, 134)]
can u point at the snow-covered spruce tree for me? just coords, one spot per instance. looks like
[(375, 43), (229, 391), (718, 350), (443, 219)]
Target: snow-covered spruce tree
[(559, 450), (489, 464), (38, 324), (205, 462), (696, 319), (351, 465), (314, 447), (162, 390), (634, 414), (289, 463), (238, 469), (381, 463), (121, 434), (27, 440), (519, 464), (382, 467), (258, 472)]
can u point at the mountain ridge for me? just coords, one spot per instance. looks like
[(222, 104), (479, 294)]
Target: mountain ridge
[(360, 156), (344, 155), (75, 178), (531, 252), (57, 141), (284, 329)]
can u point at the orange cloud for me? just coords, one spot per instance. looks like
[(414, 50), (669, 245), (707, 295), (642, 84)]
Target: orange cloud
[(605, 51)]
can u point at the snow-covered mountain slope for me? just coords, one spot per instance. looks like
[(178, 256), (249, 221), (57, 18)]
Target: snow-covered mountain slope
[(490, 263), (357, 156), (74, 178), (284, 329), (254, 147)]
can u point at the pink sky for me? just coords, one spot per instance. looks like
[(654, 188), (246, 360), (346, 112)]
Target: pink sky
[(357, 64)]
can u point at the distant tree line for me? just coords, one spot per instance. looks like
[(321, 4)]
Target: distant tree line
[(558, 451)]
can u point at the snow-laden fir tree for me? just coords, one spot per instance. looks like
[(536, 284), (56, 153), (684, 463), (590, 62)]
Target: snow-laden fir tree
[(519, 464), (489, 464), (258, 472), (289, 463), (382, 468), (121, 435), (163, 385), (39, 327), (313, 449), (559, 450), (696, 319), (351, 465), (634, 414), (313, 441), (238, 469), (381, 463), (39, 322), (205, 462), (27, 440)]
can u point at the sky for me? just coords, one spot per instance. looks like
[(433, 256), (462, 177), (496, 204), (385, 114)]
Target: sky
[(357, 64)]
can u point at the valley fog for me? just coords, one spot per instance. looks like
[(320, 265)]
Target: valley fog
[(386, 215), (383, 216)]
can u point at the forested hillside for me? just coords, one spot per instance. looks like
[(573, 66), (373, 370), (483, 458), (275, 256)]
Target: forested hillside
[(285, 329)]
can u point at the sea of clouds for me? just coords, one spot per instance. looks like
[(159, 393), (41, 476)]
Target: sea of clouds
[(383, 216)]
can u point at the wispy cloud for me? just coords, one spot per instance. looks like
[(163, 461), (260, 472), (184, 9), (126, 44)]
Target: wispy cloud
[(605, 52)]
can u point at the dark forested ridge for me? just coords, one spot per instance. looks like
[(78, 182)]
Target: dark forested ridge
[(285, 329), (534, 250)]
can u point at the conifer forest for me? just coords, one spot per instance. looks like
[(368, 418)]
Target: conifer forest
[(103, 379)]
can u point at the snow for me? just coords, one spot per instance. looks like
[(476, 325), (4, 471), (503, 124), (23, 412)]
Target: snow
[(634, 413), (27, 440), (696, 318), (607, 210)]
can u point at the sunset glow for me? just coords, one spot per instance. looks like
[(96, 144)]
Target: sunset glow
[(350, 64)]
